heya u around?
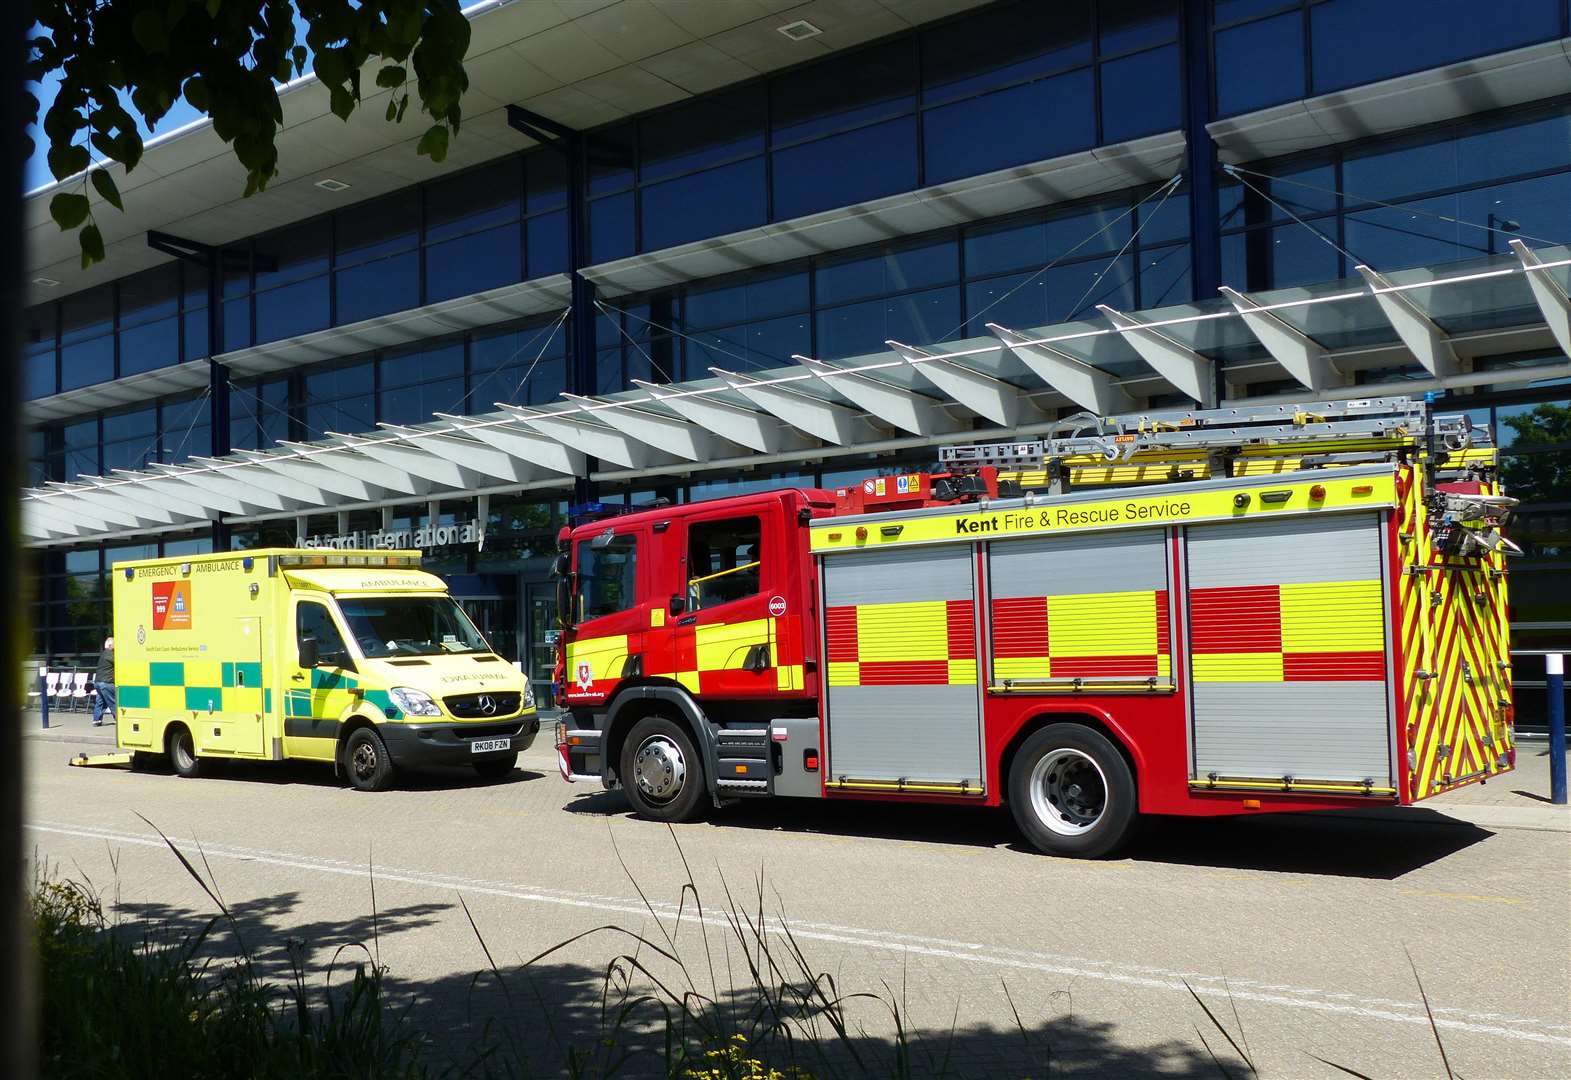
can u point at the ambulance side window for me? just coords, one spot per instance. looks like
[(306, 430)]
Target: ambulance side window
[(723, 561), (312, 620)]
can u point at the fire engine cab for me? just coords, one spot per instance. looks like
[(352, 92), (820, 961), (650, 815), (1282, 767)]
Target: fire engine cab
[(1271, 608)]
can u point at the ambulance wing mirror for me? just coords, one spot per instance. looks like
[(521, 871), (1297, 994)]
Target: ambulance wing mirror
[(310, 656)]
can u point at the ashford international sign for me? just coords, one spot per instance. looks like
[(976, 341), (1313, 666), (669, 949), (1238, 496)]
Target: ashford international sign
[(424, 538)]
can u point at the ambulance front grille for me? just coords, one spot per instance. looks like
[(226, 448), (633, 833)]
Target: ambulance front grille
[(481, 706)]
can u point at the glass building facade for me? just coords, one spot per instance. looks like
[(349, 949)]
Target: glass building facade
[(1001, 86)]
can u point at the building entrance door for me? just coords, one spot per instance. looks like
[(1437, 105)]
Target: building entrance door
[(540, 632), (491, 601)]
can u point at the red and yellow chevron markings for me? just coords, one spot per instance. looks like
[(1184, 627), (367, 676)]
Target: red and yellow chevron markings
[(1456, 677)]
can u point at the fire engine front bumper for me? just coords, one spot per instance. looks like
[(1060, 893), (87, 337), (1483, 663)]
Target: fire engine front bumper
[(416, 745), (578, 754)]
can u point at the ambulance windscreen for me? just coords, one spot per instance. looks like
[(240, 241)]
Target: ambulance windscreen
[(411, 626)]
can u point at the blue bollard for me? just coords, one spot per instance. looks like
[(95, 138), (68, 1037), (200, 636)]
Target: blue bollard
[(43, 694), (1555, 687)]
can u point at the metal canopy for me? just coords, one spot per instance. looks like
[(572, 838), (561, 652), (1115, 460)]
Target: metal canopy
[(1444, 323)]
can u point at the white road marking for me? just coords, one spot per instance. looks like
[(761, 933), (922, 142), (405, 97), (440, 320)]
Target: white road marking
[(1296, 997)]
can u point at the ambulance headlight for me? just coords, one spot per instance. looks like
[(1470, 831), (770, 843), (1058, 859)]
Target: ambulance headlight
[(414, 702), (529, 694)]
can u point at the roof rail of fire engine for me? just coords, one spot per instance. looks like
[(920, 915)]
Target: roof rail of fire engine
[(1297, 427)]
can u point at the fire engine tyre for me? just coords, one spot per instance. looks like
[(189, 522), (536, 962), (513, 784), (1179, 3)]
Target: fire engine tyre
[(367, 762), (1072, 792), (496, 768), (661, 771), (182, 753)]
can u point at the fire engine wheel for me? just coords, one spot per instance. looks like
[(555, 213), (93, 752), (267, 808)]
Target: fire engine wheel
[(366, 761), (661, 771), (182, 753), (1072, 792)]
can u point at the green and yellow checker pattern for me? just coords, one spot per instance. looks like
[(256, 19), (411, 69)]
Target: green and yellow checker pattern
[(331, 693), (192, 686)]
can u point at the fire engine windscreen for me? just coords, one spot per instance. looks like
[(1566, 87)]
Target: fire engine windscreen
[(607, 572), (411, 626)]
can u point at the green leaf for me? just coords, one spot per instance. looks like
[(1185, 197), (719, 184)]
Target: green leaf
[(92, 242), (104, 184), (403, 104), (341, 101), (392, 109), (148, 28), (68, 209), (196, 93), (433, 143), (212, 8), (391, 76), (128, 149), (67, 159)]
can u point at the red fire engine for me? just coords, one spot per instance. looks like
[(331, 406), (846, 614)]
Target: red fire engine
[(1278, 608)]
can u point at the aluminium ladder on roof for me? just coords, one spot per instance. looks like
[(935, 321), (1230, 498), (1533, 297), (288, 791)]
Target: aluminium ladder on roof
[(1380, 425)]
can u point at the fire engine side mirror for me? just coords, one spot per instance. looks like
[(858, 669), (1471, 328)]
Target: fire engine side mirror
[(678, 605)]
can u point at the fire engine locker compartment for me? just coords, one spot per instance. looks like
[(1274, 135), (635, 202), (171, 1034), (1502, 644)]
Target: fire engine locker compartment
[(1289, 650), (902, 710)]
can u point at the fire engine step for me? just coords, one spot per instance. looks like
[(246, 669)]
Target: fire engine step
[(745, 761)]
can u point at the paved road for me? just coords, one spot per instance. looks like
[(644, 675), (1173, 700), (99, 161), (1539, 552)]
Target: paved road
[(1302, 922)]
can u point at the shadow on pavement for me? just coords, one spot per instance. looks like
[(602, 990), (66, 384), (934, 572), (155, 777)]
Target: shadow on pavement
[(589, 1011), (318, 774), (1327, 844)]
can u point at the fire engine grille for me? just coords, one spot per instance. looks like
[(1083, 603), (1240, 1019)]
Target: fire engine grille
[(473, 706)]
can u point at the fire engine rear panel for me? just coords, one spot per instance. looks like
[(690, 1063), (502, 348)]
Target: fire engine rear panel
[(900, 635), (1288, 651)]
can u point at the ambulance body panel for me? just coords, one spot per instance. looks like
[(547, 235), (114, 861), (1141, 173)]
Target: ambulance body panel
[(220, 647)]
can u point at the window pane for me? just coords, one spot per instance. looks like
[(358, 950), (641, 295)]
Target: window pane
[(1260, 63), (545, 181), (87, 314), (1411, 235), (149, 346), (378, 227), (1228, 11), (1140, 94), (986, 133), (991, 249), (702, 133), (1133, 24), (339, 400), (860, 329), (523, 367), (417, 404), (187, 429), (1060, 294), (610, 228), (391, 284), (237, 323), (38, 375), (292, 309), (842, 169), (874, 84), (611, 160), (87, 362), (723, 561), (1404, 170), (478, 199), (709, 203), (1164, 276), (1357, 42), (1004, 45), (1164, 218), (152, 294), (437, 362), (898, 270), (79, 454), (1520, 148), (607, 577), (472, 263), (754, 346), (297, 253), (754, 299), (547, 245)]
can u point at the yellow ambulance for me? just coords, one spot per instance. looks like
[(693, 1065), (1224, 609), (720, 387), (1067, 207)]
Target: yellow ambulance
[(356, 658)]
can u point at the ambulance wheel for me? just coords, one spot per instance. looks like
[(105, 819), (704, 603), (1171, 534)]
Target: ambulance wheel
[(1072, 792), (496, 768), (366, 761), (661, 771), (182, 753)]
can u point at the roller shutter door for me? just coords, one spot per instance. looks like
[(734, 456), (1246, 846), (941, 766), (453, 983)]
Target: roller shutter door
[(1287, 650), (900, 631)]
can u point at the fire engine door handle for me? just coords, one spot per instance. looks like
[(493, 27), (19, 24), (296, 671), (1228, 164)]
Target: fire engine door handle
[(687, 620), (757, 659)]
